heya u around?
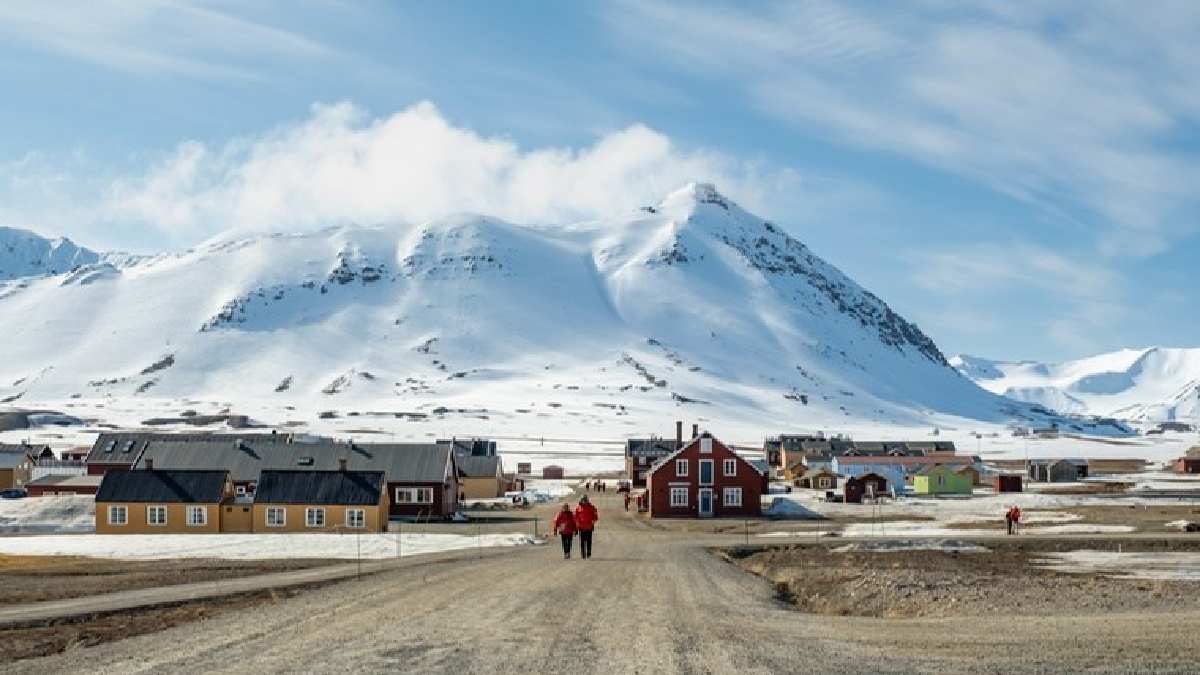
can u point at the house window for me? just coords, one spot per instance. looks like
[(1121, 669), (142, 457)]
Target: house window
[(729, 466), (706, 472), (705, 445), (240, 490), (156, 515), (118, 515), (276, 517), (314, 516), (823, 482), (681, 468), (941, 480), (732, 497), (679, 497), (356, 518), (414, 495), (197, 516)]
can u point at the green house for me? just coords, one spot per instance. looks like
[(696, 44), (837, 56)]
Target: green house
[(941, 479)]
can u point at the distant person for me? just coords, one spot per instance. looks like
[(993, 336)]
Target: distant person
[(1008, 521), (626, 501), (564, 527), (585, 522)]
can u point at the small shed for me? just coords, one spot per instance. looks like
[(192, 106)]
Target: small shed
[(1006, 483), (1187, 465), (971, 473), (60, 484), (1057, 470), (855, 488), (817, 479), (552, 472), (940, 479)]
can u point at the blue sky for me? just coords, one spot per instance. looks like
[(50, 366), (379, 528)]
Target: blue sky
[(1021, 179)]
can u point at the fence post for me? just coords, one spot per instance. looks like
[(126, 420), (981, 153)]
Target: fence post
[(358, 544), (535, 527), (399, 536)]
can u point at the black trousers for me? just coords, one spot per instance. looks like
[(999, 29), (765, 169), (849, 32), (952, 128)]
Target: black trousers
[(566, 542), (585, 543)]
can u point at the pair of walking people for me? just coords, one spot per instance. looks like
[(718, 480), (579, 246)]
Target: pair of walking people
[(582, 521)]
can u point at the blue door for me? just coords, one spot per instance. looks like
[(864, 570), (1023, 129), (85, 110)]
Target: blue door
[(706, 502)]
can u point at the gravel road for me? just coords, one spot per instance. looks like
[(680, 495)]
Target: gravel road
[(649, 601)]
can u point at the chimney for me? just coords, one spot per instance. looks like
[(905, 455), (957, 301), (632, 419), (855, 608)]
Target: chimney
[(342, 463), (679, 433), (149, 464), (695, 430)]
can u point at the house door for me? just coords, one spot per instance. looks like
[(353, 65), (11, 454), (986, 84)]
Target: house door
[(706, 502)]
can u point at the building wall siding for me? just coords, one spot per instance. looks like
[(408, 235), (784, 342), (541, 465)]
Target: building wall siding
[(335, 518), (176, 519), (660, 482)]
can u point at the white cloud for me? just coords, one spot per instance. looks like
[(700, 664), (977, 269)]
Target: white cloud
[(168, 37), (1070, 106), (341, 165)]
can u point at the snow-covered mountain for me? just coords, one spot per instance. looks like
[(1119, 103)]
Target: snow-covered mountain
[(25, 254), (1153, 385), (690, 303)]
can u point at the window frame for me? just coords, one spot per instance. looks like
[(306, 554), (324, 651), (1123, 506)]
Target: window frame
[(359, 515), (679, 503), (310, 521), (729, 467), (193, 509), (418, 494), (725, 496), (681, 463), (118, 508), (156, 508), (281, 521), (712, 473), (706, 444)]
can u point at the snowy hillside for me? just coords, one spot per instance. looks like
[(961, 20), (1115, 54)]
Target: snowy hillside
[(1152, 385), (25, 254), (690, 308)]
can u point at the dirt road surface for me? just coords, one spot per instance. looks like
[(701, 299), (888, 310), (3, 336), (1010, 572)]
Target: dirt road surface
[(650, 601)]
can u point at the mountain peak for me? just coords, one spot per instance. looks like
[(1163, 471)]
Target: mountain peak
[(695, 193), (24, 254)]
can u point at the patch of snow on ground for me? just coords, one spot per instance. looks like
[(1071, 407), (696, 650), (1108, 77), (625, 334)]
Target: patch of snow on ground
[(374, 546), (58, 513), (946, 545), (789, 509), (1157, 566), (935, 529)]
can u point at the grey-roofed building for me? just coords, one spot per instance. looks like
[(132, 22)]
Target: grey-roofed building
[(422, 478), (121, 450), (146, 502), (480, 477), (63, 484), (16, 465), (296, 500), (471, 447), (1066, 470), (643, 453)]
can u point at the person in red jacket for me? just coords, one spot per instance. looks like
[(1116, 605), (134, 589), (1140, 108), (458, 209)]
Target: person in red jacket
[(564, 527), (585, 522)]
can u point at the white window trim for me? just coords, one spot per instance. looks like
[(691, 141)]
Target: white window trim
[(152, 508), (706, 445), (362, 518), (418, 493), (309, 512), (240, 490), (123, 510), (679, 504), (728, 464), (712, 473), (681, 464), (281, 521), (725, 496), (202, 510)]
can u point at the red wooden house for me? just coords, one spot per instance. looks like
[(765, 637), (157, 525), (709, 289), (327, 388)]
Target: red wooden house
[(704, 479)]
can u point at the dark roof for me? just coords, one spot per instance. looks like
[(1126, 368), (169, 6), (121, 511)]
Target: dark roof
[(11, 459), (478, 447), (202, 487), (650, 447), (124, 447), (65, 479), (402, 462), (349, 488), (478, 467)]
